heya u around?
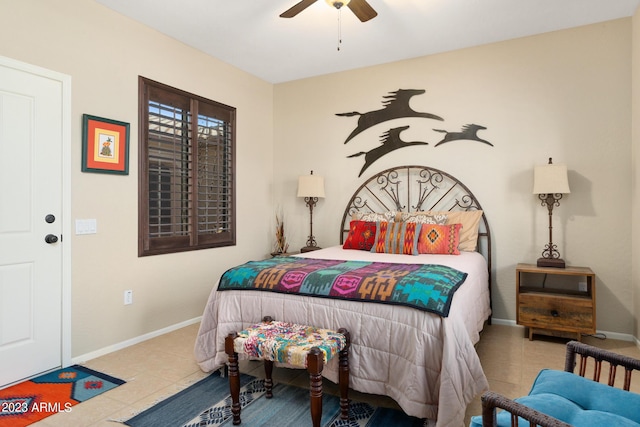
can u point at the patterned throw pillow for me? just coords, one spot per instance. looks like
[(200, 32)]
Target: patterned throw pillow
[(397, 238), (389, 216), (362, 235), (424, 218), (470, 221), (439, 239)]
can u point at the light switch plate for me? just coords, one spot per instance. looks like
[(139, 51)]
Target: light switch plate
[(86, 226)]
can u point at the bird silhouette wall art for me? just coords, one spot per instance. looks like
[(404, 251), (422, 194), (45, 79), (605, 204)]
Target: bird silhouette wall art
[(396, 106), (390, 141)]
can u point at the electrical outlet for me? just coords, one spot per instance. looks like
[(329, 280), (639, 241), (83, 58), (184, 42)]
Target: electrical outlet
[(582, 286), (128, 297)]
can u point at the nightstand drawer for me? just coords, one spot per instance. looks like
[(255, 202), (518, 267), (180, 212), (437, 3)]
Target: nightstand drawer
[(556, 312)]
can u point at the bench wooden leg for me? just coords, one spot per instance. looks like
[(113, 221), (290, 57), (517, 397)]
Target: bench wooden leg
[(343, 378), (315, 364), (234, 377), (268, 381)]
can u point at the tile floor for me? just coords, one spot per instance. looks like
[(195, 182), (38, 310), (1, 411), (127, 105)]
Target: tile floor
[(160, 367)]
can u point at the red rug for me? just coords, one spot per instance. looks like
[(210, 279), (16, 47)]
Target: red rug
[(58, 391)]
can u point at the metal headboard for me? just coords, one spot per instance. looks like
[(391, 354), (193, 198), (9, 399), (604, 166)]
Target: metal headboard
[(413, 189)]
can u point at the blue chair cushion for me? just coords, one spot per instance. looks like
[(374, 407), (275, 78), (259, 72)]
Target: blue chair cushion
[(577, 401)]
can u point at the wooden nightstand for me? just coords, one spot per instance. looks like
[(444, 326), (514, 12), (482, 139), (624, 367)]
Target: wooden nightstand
[(556, 301), (275, 254)]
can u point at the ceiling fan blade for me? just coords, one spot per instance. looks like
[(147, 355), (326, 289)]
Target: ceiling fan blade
[(297, 8), (362, 10)]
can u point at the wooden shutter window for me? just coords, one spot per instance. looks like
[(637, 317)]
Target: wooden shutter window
[(187, 173)]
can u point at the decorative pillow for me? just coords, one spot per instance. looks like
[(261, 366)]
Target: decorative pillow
[(439, 239), (423, 218), (397, 238), (470, 221), (362, 235), (389, 216)]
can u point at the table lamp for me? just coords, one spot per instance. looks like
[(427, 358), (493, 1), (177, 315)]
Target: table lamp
[(311, 187), (550, 182)]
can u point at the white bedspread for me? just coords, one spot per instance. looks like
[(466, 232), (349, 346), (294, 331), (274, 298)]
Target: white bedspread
[(426, 363)]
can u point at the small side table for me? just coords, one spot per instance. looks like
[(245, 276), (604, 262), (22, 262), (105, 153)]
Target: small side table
[(275, 254), (556, 301)]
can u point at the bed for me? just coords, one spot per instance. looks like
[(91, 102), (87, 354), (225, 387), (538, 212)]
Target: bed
[(425, 362)]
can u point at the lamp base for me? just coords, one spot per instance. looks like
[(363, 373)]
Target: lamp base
[(551, 262), (309, 249)]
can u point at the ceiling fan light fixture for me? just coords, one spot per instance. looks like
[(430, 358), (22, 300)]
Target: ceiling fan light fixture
[(337, 3)]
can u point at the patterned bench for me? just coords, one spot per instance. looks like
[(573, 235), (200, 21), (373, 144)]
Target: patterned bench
[(294, 345)]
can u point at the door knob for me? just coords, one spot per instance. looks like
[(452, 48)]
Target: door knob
[(51, 238)]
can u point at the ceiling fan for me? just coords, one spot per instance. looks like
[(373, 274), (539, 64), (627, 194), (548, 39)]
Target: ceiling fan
[(360, 8)]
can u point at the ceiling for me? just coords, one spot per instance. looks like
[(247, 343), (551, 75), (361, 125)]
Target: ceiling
[(250, 35)]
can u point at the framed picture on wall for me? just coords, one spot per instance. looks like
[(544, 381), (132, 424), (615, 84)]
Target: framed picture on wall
[(105, 145)]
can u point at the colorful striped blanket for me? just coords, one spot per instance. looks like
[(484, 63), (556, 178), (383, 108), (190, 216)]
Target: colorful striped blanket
[(427, 287)]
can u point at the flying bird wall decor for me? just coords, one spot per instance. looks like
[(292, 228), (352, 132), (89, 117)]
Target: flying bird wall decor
[(396, 106)]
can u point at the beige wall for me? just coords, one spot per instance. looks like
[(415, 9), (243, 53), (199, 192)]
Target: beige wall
[(635, 178), (104, 53), (564, 95)]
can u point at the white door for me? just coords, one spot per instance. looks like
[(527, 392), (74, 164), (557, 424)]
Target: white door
[(31, 182)]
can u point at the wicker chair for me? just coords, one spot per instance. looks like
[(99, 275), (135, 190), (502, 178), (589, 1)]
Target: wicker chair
[(491, 400)]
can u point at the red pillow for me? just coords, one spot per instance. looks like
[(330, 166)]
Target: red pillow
[(362, 235), (439, 239)]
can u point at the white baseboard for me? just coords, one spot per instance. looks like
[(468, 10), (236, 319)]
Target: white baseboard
[(124, 344), (612, 335)]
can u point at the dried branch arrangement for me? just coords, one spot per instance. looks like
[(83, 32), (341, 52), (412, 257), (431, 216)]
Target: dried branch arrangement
[(281, 246)]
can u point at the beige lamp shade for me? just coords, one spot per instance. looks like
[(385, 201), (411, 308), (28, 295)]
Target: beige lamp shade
[(311, 186), (550, 179)]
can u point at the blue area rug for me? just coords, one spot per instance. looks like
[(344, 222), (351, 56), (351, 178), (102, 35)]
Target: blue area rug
[(207, 403)]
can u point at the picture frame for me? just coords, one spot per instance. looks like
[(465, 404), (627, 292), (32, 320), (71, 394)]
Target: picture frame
[(105, 145)]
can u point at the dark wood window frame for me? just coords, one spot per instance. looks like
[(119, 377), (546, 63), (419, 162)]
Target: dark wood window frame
[(186, 182)]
